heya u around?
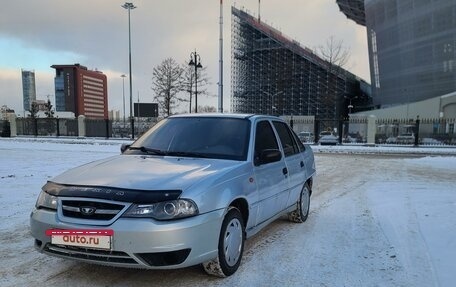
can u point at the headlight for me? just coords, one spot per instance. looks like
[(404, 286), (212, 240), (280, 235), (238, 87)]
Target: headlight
[(46, 200), (166, 210)]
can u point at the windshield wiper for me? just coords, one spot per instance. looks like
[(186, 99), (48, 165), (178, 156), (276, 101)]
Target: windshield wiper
[(167, 153), (187, 154), (148, 150)]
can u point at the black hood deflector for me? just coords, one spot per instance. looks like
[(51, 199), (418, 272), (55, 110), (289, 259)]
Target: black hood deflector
[(111, 193)]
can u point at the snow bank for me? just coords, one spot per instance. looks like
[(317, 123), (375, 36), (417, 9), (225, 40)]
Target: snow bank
[(375, 220)]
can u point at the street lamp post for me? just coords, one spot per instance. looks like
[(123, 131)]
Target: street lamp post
[(123, 96), (129, 6), (195, 60), (350, 106)]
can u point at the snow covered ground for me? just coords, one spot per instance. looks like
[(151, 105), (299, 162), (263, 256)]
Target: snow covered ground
[(376, 220)]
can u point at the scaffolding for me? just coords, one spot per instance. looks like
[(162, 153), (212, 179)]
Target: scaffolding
[(354, 10), (273, 74)]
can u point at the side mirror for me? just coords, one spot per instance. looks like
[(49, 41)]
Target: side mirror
[(124, 147), (268, 156)]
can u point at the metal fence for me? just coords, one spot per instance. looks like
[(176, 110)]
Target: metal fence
[(98, 128), (47, 127), (387, 131), (426, 132), (122, 129), (56, 127), (348, 131), (67, 127), (5, 130), (27, 126)]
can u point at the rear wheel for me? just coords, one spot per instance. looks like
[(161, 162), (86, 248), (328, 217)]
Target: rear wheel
[(301, 212), (230, 247)]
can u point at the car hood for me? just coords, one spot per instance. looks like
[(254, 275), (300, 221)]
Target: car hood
[(145, 172)]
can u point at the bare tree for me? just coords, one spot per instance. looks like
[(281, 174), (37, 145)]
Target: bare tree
[(336, 55), (167, 83), (189, 82)]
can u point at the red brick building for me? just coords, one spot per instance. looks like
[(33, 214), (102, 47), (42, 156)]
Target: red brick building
[(81, 91)]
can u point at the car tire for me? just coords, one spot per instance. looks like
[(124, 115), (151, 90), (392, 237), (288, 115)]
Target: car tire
[(230, 246), (301, 212)]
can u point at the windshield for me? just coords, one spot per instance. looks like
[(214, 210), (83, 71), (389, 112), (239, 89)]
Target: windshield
[(208, 137)]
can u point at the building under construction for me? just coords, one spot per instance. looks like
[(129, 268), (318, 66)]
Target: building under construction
[(273, 74)]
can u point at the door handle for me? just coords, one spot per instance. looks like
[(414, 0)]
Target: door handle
[(285, 171), (302, 164)]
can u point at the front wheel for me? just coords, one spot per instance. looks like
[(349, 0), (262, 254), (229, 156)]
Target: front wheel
[(230, 247), (301, 212)]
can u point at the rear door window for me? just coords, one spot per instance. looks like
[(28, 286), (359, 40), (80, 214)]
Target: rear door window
[(286, 138)]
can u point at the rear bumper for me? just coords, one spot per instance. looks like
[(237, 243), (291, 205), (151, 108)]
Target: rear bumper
[(328, 142), (138, 242)]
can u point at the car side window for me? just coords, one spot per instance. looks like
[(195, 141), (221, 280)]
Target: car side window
[(288, 144), (264, 138), (298, 142)]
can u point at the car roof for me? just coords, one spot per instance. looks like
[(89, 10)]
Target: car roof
[(212, 115), (226, 115)]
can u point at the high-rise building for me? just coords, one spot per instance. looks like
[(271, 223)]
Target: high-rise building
[(412, 47), (81, 91), (28, 89), (273, 74)]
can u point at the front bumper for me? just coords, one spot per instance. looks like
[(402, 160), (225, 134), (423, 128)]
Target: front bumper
[(138, 242)]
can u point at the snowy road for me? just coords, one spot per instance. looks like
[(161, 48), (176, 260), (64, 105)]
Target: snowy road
[(375, 220)]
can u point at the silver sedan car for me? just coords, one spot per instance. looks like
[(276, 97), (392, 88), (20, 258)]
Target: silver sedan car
[(187, 192), (328, 138)]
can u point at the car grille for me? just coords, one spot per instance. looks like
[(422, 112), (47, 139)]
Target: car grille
[(94, 210), (100, 256)]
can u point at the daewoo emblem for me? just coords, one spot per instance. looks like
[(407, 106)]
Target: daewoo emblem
[(87, 210)]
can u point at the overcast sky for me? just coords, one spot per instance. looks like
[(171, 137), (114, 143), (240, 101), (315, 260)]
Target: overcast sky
[(37, 34)]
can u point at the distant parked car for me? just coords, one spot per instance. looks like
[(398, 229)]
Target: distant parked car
[(187, 192), (328, 138), (431, 141), (391, 140), (353, 138), (306, 137), (408, 138)]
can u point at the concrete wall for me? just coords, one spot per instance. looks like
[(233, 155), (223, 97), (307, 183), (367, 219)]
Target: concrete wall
[(435, 108)]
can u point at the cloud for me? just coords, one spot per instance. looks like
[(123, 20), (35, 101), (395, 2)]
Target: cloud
[(11, 86), (32, 58), (94, 33)]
